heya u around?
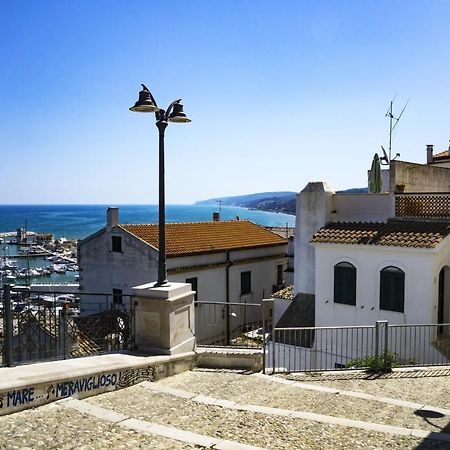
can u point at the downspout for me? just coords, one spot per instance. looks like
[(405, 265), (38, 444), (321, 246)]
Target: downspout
[(227, 297)]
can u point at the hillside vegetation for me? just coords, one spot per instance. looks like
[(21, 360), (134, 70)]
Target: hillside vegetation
[(282, 202)]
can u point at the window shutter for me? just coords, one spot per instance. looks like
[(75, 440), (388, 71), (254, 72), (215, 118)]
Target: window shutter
[(345, 283), (392, 289)]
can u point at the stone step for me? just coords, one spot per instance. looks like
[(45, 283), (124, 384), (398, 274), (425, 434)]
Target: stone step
[(239, 410), (264, 391), (255, 423), (54, 427)]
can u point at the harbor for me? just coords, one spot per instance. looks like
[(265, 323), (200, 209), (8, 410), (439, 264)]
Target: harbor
[(27, 257)]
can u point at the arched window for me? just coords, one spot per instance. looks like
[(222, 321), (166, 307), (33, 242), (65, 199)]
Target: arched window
[(392, 289), (345, 283)]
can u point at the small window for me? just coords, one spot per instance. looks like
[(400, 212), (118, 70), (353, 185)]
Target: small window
[(117, 244), (117, 296), (392, 289), (345, 283), (280, 274), (246, 283), (194, 283)]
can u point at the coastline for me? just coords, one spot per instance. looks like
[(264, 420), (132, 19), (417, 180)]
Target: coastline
[(76, 221)]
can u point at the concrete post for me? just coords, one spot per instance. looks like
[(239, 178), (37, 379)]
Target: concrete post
[(165, 322)]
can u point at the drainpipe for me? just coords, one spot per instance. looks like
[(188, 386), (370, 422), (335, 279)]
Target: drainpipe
[(227, 297)]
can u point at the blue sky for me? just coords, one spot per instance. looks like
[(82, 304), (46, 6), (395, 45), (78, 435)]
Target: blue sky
[(280, 93)]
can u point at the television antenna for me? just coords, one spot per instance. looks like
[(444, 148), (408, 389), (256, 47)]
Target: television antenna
[(393, 121)]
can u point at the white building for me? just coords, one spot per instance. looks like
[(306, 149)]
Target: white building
[(225, 261), (360, 258)]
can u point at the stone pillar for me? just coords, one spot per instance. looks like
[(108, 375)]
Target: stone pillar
[(165, 323)]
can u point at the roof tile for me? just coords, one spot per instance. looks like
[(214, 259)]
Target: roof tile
[(191, 238), (393, 233)]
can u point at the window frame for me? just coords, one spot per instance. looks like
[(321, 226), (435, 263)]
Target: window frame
[(246, 282), (117, 296), (116, 244), (343, 271), (279, 274), (390, 300)]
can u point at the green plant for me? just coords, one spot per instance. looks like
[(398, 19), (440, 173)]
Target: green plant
[(381, 363)]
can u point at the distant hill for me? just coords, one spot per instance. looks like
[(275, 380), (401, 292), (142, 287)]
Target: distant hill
[(266, 201), (354, 191), (283, 201), (238, 200)]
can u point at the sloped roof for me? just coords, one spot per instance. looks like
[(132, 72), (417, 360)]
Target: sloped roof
[(300, 313), (286, 293), (443, 154), (393, 233), (192, 238)]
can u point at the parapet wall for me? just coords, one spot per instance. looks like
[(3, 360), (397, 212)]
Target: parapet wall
[(419, 177)]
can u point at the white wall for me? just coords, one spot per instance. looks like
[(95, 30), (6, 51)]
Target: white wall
[(102, 269), (420, 284), (313, 212), (362, 207)]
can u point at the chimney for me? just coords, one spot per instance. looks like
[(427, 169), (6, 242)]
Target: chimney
[(429, 154), (112, 218), (216, 217)]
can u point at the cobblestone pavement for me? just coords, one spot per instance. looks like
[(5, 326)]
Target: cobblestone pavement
[(431, 386), (249, 428), (55, 426), (248, 389), (52, 427)]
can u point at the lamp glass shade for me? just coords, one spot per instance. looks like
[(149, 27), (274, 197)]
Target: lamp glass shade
[(177, 114), (144, 107), (145, 102), (179, 119)]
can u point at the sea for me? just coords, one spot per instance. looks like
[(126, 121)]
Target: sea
[(80, 221)]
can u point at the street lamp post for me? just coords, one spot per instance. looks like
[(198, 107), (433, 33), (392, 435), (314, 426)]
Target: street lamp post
[(174, 113)]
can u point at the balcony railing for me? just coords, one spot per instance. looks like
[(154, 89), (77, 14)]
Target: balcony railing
[(423, 205)]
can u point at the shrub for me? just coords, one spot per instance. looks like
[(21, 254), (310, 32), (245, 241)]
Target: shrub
[(381, 363)]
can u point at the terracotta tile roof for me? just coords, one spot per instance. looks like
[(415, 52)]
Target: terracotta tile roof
[(286, 293), (443, 154), (393, 233), (192, 238)]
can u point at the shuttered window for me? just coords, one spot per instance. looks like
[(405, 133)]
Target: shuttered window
[(345, 283), (116, 243), (246, 283), (392, 289)]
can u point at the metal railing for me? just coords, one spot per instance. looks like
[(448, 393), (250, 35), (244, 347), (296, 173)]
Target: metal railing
[(220, 324), (377, 347), (37, 326)]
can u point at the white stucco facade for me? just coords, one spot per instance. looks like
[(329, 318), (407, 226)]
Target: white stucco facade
[(218, 274), (426, 272), (421, 268)]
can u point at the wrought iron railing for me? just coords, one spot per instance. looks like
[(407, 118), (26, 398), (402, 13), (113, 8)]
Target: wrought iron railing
[(221, 324), (38, 326), (378, 347)]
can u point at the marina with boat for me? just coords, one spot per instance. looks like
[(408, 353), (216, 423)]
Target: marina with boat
[(27, 257)]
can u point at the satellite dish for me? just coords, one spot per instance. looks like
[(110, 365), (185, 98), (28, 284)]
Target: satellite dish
[(385, 157)]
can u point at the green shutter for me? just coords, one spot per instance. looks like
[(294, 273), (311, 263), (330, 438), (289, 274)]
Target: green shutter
[(345, 283)]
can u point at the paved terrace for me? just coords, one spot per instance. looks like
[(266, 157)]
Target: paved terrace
[(238, 410)]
